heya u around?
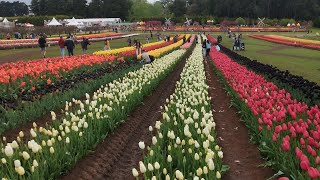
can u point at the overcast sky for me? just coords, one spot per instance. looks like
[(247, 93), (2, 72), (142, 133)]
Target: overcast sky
[(28, 1)]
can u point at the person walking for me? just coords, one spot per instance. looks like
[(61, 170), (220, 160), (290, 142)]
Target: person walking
[(70, 45), (84, 44), (204, 50), (129, 42), (208, 47), (138, 46), (61, 45), (8, 36), (42, 44), (107, 45)]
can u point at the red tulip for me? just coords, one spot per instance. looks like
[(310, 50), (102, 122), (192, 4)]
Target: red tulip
[(304, 165), (286, 145), (49, 81), (22, 84), (283, 178), (318, 160), (313, 172)]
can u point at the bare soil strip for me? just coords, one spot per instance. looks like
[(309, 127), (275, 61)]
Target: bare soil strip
[(119, 153), (242, 156)]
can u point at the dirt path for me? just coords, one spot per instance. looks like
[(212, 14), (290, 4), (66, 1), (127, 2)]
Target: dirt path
[(119, 153), (242, 156)]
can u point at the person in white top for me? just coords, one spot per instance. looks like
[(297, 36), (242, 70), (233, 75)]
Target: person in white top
[(217, 47), (145, 57)]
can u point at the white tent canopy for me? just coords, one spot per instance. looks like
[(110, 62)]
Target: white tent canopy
[(5, 20), (54, 22), (73, 22), (94, 21)]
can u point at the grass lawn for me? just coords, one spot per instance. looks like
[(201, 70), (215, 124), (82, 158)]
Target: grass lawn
[(299, 61)]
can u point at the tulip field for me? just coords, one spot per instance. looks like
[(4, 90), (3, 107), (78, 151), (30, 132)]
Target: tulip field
[(311, 44), (287, 130), (27, 43), (108, 115)]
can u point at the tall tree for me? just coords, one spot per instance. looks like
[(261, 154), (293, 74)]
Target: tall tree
[(178, 7), (15, 8)]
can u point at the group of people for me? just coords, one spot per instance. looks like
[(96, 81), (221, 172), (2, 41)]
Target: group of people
[(69, 44)]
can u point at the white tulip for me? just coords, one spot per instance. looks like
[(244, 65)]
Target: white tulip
[(35, 163), (141, 145), (51, 150), (142, 167), (20, 170), (17, 163), (220, 154), (21, 134), (169, 158), (156, 165), (135, 172), (211, 165), (8, 151), (14, 145), (150, 167), (218, 175), (4, 161), (154, 140), (25, 155), (164, 171), (68, 140), (150, 128), (196, 156), (179, 175)]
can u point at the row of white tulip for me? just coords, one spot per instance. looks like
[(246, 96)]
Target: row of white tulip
[(184, 144), (54, 149)]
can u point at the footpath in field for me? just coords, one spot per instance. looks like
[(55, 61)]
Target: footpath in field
[(242, 156), (115, 157)]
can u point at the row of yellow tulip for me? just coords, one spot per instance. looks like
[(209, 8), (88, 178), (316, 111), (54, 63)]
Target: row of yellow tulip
[(125, 49), (159, 52)]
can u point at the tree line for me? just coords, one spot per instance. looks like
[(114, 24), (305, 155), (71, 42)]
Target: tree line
[(138, 9), (16, 8), (296, 9)]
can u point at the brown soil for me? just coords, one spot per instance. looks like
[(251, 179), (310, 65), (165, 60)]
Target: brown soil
[(45, 120), (119, 153), (242, 156)]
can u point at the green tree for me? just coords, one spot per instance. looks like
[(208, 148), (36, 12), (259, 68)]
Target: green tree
[(241, 21), (141, 9), (178, 7)]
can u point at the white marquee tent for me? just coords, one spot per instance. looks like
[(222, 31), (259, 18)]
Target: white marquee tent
[(7, 24), (54, 22), (95, 21)]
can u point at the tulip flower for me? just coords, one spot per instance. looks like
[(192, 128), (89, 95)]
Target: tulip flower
[(141, 145), (135, 172), (8, 151), (20, 170)]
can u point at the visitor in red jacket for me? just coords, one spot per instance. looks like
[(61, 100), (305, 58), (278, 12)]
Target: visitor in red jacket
[(61, 45)]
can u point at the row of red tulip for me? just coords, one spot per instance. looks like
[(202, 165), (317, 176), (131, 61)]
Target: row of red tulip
[(289, 128), (286, 42)]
